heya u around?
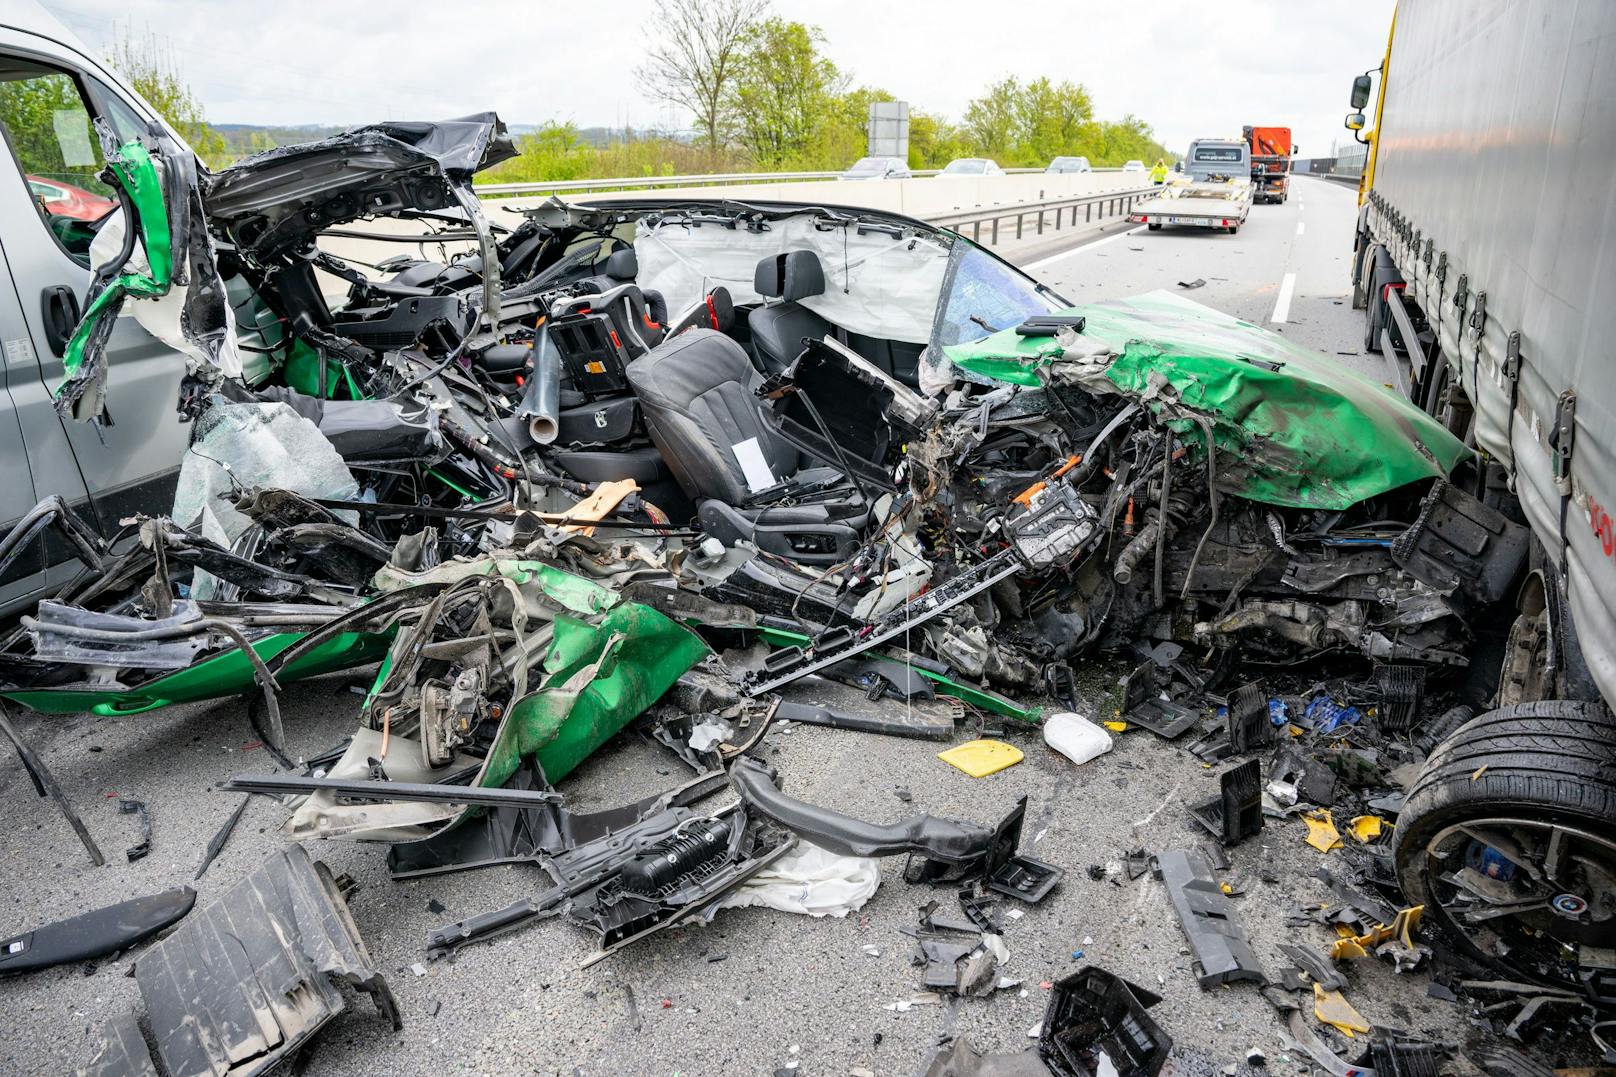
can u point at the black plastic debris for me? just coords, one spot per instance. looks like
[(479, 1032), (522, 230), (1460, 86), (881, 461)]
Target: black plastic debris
[(121, 1051), (1402, 695), (1094, 1014), (1249, 725), (95, 933), (249, 978), (1216, 933), (1395, 1056), (1143, 706), (137, 808), (1236, 812)]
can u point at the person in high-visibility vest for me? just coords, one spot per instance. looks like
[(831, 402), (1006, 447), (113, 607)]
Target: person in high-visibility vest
[(1158, 175)]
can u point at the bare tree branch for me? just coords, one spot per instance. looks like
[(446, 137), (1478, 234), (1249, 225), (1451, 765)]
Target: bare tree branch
[(691, 59)]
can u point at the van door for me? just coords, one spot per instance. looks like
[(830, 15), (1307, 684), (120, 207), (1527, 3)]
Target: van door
[(51, 203), (26, 574)]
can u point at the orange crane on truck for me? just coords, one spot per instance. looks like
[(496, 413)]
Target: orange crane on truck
[(1271, 150)]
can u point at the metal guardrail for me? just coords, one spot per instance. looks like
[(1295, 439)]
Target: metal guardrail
[(1108, 203), (632, 183)]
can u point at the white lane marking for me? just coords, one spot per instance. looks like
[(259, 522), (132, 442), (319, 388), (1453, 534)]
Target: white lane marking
[(1300, 207), (1282, 308), (1301, 226), (1052, 259)]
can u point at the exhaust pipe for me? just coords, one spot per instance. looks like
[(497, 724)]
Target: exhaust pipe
[(541, 404)]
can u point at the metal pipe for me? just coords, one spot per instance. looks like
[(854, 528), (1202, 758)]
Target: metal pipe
[(541, 404)]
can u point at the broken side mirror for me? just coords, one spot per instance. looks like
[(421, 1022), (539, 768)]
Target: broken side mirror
[(1360, 93), (1355, 121)]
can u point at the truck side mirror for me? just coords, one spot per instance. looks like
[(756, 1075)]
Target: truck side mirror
[(1360, 93), (1355, 121)]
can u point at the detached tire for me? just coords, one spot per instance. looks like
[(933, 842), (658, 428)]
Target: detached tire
[(1505, 795)]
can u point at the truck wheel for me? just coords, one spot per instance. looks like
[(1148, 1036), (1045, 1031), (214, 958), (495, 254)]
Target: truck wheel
[(1154, 227), (1234, 229), (1506, 836)]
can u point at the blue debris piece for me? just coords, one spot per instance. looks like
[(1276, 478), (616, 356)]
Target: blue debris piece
[(1325, 715)]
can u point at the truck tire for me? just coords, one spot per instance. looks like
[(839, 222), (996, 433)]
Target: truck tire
[(1374, 313), (1234, 229), (1154, 227), (1511, 798)]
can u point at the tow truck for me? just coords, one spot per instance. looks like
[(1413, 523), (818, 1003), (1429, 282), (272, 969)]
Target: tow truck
[(1216, 190)]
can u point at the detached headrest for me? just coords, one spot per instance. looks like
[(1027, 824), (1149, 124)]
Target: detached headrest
[(790, 276), (622, 264)]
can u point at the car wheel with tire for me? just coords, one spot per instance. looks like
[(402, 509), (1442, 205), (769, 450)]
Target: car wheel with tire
[(1506, 838)]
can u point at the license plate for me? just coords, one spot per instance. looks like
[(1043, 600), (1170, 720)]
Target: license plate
[(1186, 220)]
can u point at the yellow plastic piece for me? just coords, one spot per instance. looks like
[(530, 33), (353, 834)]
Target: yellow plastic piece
[(1116, 727), (1401, 929), (1332, 1008), (1321, 831), (979, 758), (1366, 828)]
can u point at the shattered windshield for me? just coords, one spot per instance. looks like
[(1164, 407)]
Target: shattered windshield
[(985, 295)]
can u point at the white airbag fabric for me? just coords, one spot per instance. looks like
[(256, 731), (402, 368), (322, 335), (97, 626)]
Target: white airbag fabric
[(876, 284)]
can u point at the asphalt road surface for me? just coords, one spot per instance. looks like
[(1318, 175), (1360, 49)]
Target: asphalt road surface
[(755, 991)]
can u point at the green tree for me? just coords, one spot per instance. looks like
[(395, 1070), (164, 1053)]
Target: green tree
[(691, 61), (783, 91), (990, 120), (933, 141), (1050, 120), (153, 74)]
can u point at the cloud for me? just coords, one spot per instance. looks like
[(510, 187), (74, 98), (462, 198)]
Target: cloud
[(1188, 69)]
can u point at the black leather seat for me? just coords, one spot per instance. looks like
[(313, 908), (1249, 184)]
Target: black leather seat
[(778, 329), (698, 395)]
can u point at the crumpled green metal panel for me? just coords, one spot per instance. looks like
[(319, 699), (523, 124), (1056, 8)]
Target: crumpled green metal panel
[(599, 675), (1292, 426)]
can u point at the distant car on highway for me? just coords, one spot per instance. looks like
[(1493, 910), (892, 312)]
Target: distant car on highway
[(972, 166), (876, 168), (1134, 166), (1069, 164), (65, 200)]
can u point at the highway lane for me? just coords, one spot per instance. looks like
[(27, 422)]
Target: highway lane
[(1288, 269)]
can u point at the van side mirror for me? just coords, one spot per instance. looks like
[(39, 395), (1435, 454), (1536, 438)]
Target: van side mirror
[(1355, 121), (1360, 93)]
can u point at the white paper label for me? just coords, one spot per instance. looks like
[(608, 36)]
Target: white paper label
[(756, 469)]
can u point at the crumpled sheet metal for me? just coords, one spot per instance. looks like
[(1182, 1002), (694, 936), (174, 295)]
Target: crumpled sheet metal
[(1309, 434), (598, 676), (253, 975), (166, 265)]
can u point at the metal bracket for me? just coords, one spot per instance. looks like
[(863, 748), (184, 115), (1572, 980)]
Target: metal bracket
[(1478, 317), (1430, 250), (1563, 439), (1442, 267), (1461, 294), (1512, 357)]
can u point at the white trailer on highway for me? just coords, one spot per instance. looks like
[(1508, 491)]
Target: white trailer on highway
[(1216, 193), (1486, 266)]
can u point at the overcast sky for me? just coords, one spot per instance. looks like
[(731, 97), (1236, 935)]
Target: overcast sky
[(1187, 67)]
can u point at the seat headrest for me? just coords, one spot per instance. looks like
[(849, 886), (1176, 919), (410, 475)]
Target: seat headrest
[(790, 276), (622, 264), (720, 309)]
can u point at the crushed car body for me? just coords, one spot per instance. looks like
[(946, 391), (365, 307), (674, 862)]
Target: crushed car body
[(706, 465)]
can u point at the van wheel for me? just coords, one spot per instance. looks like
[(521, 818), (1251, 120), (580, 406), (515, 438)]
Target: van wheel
[(1506, 837)]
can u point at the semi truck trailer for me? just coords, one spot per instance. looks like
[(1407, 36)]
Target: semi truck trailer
[(1485, 264)]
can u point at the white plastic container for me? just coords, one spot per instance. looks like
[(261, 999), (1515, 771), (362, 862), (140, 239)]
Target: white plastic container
[(1075, 737)]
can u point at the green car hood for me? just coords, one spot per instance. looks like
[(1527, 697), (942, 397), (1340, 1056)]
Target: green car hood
[(1291, 426)]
